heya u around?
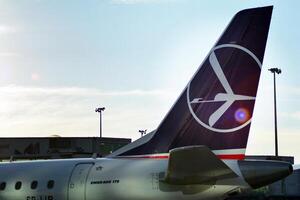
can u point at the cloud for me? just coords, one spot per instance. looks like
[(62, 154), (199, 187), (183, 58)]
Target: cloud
[(139, 1), (76, 91), (7, 29), (296, 115), (262, 143), (69, 111), (35, 76), (9, 54)]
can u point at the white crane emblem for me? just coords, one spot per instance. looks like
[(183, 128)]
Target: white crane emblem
[(229, 97)]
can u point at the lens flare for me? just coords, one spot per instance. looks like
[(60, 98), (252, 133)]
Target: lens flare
[(241, 115)]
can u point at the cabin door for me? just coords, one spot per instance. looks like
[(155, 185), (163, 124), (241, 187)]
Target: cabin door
[(77, 183)]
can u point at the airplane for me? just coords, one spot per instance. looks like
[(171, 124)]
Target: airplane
[(196, 152)]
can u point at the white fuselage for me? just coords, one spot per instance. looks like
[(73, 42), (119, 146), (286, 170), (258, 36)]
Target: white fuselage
[(97, 179)]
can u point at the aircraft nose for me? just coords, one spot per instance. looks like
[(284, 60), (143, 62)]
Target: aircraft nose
[(261, 173)]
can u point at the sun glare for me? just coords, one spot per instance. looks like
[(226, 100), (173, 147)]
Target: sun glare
[(241, 115)]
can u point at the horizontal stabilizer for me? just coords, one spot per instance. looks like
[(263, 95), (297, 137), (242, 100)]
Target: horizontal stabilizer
[(195, 165)]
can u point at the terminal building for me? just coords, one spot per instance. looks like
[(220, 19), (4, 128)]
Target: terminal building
[(58, 147)]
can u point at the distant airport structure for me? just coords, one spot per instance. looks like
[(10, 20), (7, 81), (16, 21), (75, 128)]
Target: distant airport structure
[(29, 148)]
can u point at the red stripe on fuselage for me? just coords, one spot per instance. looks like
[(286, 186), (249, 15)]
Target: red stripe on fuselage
[(231, 156), (220, 156)]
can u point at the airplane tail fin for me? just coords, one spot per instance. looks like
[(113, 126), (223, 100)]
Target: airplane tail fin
[(216, 107)]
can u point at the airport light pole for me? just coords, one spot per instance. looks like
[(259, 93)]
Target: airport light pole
[(99, 110), (275, 71), (143, 132)]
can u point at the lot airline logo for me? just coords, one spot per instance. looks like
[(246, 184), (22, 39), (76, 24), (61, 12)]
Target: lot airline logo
[(221, 95)]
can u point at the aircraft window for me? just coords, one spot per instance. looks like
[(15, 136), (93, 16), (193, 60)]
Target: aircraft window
[(2, 186), (50, 184), (18, 185), (34, 185)]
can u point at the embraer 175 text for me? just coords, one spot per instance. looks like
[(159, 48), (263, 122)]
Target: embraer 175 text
[(197, 151)]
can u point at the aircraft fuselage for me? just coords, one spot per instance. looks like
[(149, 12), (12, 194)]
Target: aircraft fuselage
[(96, 179)]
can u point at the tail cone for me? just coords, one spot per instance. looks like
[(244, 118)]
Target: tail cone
[(261, 173)]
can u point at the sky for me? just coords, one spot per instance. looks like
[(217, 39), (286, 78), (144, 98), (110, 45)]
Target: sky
[(59, 60)]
